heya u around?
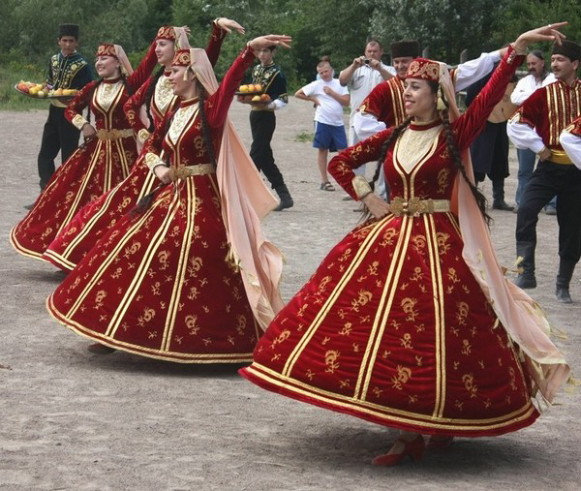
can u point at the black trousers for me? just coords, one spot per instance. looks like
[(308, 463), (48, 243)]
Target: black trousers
[(58, 135), (489, 153), (549, 180), (262, 125)]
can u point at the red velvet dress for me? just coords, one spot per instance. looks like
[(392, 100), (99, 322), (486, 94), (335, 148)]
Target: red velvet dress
[(393, 327), (94, 168), (159, 284), (92, 221)]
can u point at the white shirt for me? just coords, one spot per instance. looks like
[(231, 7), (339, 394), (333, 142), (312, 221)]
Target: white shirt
[(527, 85), (572, 145), (363, 81), (329, 111), (366, 125)]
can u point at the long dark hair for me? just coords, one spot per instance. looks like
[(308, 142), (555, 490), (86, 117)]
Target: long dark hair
[(206, 132)]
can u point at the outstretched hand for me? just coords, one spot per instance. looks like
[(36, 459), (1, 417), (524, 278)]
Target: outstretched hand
[(270, 40), (549, 32), (229, 25)]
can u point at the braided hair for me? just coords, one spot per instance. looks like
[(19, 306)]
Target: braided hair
[(206, 133), (398, 130), (453, 149)]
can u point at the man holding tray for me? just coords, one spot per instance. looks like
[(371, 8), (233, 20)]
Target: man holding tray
[(67, 70), (263, 122)]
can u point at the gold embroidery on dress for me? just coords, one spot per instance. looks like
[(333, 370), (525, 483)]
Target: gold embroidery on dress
[(363, 298), (191, 321), (107, 93), (443, 181), (442, 240), (147, 316), (469, 385), (99, 297), (408, 306), (406, 341), (346, 330), (412, 144), (462, 314), (183, 117), (163, 95), (331, 358), (402, 377)]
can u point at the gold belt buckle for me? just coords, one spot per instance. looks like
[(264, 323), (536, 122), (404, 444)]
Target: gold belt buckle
[(412, 207)]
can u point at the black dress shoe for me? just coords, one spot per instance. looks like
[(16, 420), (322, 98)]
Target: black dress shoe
[(502, 205), (100, 349), (526, 281), (562, 294)]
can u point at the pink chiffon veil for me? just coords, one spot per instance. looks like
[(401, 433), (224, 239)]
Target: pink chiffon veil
[(520, 316), (245, 201), (126, 67)]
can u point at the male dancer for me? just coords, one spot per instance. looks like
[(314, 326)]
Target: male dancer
[(537, 125)]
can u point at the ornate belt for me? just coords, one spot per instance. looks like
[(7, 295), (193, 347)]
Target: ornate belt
[(184, 171), (114, 134), (559, 157), (416, 206)]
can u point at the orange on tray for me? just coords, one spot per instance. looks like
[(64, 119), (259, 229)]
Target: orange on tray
[(32, 89), (40, 91)]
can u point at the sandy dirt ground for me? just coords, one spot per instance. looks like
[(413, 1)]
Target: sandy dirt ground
[(72, 420)]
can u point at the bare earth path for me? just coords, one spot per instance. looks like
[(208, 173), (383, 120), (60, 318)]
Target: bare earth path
[(76, 421)]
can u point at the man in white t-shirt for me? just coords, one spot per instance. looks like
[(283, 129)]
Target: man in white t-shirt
[(361, 77), (329, 97)]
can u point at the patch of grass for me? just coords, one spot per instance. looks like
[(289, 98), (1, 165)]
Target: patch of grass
[(12, 73), (304, 137)]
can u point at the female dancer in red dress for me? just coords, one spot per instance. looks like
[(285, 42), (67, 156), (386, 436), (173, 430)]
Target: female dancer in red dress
[(409, 322), (98, 165), (191, 278), (94, 219)]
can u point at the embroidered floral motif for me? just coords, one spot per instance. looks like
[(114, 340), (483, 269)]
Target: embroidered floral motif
[(331, 358)]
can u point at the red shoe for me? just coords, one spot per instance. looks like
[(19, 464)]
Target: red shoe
[(414, 450), (438, 442), (100, 349)]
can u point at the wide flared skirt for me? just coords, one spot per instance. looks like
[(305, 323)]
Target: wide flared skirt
[(93, 169), (92, 221), (393, 328), (160, 284)]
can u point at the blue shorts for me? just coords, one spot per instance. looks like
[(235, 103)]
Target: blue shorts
[(329, 137)]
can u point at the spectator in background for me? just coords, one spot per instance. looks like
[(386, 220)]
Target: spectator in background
[(489, 151), (329, 97), (364, 73)]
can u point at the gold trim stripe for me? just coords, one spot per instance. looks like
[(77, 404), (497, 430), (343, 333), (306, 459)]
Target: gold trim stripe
[(149, 254), (186, 241), (355, 263), (439, 324), (382, 315), (381, 412), (174, 356)]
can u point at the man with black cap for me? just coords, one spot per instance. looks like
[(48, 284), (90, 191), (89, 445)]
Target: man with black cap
[(537, 125), (67, 70)]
